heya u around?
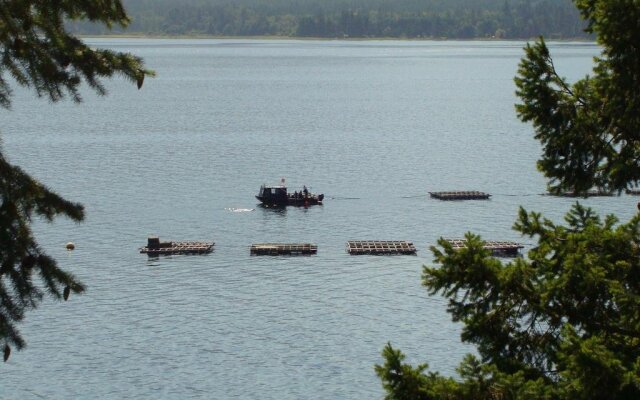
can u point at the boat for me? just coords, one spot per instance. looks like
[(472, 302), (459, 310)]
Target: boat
[(278, 195)]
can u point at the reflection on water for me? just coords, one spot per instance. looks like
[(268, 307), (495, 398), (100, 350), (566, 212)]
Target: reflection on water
[(272, 209)]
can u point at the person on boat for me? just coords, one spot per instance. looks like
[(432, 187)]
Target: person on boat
[(305, 191)]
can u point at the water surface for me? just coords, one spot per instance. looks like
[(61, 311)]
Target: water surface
[(375, 125)]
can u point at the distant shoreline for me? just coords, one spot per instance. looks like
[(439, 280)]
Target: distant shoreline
[(355, 39)]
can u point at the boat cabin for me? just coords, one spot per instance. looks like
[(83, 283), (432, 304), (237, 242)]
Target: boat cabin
[(273, 195), (279, 196)]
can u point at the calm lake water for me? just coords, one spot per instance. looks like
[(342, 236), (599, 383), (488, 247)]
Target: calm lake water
[(374, 125)]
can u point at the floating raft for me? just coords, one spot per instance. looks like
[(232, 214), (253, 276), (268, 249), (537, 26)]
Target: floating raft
[(155, 247), (379, 247), (468, 195), (276, 249), (499, 249)]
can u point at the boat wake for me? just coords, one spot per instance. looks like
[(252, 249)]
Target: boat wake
[(239, 210)]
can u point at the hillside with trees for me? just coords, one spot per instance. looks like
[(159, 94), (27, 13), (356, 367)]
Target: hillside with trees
[(453, 19)]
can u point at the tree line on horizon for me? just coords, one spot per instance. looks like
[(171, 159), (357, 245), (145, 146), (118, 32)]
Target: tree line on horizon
[(452, 19)]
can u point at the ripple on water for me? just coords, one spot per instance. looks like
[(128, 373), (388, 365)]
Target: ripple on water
[(184, 157)]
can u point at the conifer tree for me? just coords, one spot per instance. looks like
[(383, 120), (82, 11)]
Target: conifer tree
[(564, 323), (590, 130), (38, 53)]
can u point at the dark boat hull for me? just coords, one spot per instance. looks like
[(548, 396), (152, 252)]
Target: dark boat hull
[(278, 195), (291, 201)]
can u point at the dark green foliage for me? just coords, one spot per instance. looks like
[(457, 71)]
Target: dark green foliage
[(404, 381), (37, 52), (20, 256), (590, 129), (564, 323), (354, 18)]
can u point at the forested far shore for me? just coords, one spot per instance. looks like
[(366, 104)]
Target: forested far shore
[(453, 19)]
